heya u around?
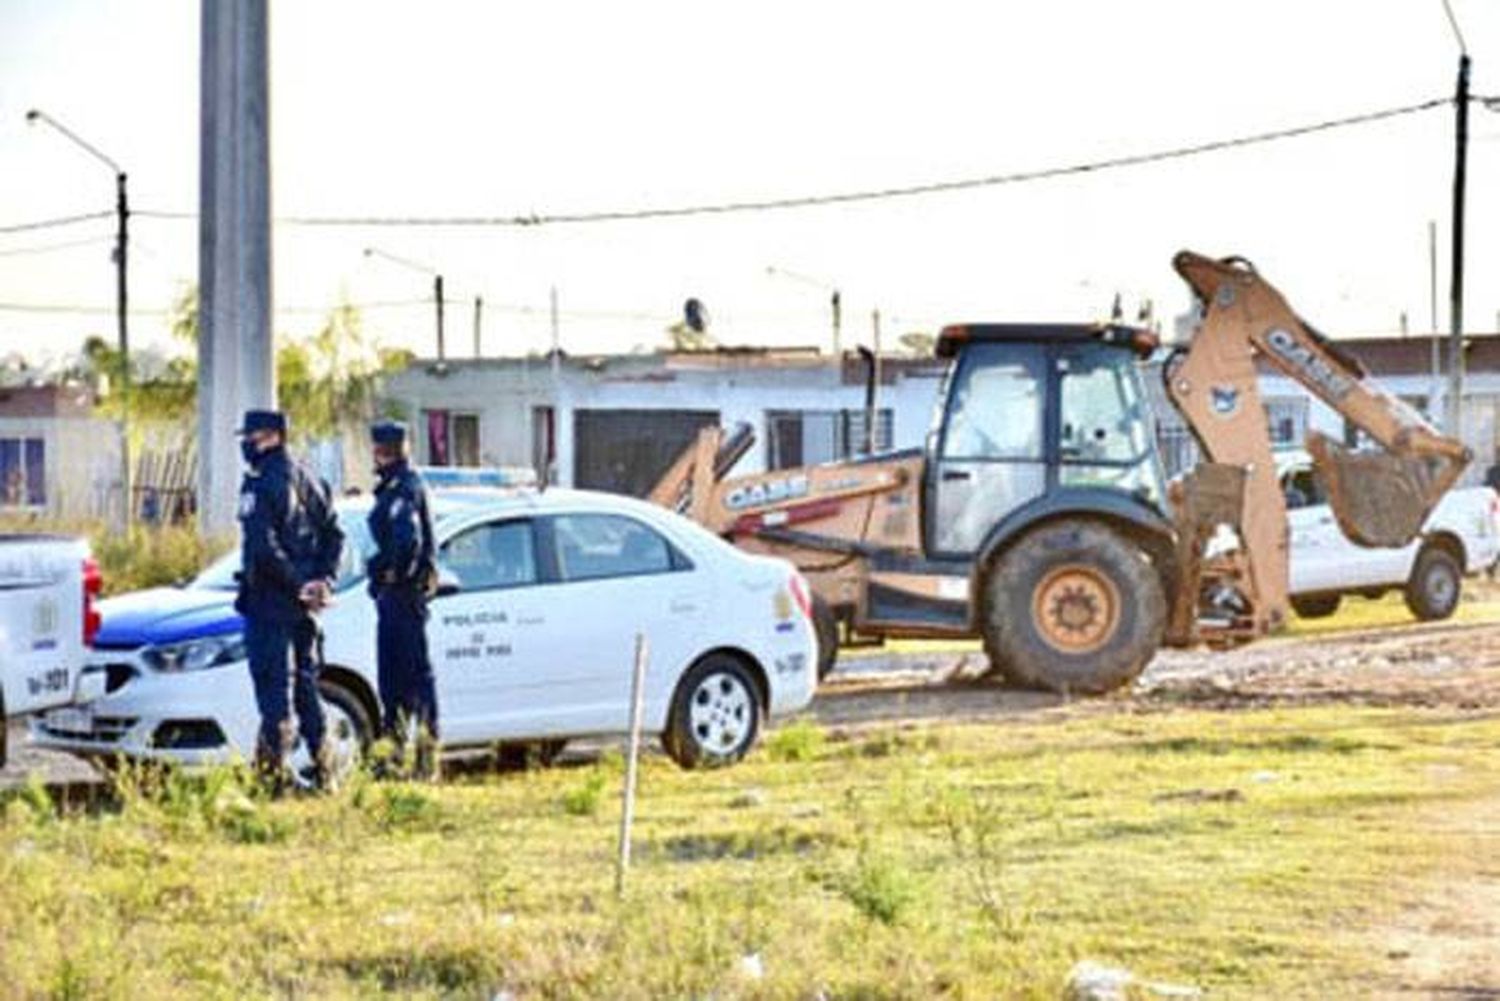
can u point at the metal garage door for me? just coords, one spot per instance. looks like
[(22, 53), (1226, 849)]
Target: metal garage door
[(627, 451)]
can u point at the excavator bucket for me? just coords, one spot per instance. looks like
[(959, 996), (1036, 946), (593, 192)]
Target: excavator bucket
[(1381, 498)]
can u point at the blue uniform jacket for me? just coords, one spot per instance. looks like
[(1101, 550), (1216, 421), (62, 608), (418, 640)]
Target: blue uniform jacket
[(401, 525), (289, 537)]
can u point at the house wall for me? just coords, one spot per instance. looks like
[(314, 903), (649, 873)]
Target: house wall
[(82, 460), (503, 394)]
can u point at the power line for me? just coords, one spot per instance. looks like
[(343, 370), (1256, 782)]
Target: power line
[(1458, 33), (47, 248), (843, 198), (69, 220), (78, 309)]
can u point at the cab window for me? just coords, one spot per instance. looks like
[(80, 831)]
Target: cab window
[(499, 554), (598, 546), (995, 406), (1103, 418)]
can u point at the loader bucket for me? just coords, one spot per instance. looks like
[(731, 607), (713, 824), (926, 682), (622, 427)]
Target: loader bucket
[(1378, 498)]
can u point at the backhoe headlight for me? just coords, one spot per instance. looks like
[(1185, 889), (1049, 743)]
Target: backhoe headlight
[(197, 655)]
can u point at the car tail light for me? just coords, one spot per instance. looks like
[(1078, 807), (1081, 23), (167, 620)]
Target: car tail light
[(93, 584), (798, 587)]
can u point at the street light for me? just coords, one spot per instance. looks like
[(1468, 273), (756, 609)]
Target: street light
[(437, 287), (835, 300), (122, 241)]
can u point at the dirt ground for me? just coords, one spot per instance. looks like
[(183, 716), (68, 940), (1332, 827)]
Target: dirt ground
[(1454, 666)]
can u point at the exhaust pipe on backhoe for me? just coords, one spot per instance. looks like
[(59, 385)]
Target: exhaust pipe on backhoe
[(872, 376)]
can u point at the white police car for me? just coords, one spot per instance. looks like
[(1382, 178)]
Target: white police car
[(532, 639)]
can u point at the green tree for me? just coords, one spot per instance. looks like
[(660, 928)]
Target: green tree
[(332, 377), (322, 381)]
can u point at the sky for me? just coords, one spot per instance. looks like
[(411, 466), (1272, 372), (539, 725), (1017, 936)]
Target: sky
[(490, 109)]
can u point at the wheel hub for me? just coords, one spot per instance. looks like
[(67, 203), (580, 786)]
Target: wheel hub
[(720, 713), (1076, 609)]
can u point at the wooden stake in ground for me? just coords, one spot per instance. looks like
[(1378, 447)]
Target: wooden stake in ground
[(632, 759)]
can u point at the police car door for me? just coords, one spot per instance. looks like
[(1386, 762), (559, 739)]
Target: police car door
[(480, 635), (616, 576)]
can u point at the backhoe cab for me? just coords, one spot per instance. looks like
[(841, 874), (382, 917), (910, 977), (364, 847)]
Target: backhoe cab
[(1037, 516)]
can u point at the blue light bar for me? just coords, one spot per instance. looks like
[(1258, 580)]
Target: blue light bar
[(444, 477)]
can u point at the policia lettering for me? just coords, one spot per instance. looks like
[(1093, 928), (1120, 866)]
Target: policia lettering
[(402, 577), (291, 544)]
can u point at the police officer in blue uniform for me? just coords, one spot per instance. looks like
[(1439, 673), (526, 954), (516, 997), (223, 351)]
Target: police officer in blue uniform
[(402, 576), (291, 546)]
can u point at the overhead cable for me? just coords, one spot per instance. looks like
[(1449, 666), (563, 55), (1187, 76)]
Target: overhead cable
[(843, 198)]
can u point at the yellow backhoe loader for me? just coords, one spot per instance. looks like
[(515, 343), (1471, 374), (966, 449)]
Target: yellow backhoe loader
[(1037, 516)]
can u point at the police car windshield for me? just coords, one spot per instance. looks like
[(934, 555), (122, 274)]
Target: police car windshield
[(219, 575)]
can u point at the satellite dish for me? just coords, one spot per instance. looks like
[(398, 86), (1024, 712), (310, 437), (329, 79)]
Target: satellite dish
[(695, 315)]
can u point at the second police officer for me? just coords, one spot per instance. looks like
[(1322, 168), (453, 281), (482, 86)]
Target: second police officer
[(402, 576), (290, 556)]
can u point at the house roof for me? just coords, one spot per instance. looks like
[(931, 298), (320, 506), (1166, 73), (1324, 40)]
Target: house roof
[(45, 401)]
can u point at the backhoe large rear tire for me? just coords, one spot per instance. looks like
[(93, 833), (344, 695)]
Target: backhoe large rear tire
[(1073, 606)]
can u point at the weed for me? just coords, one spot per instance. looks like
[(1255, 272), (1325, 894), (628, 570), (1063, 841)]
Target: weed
[(406, 808), (799, 740), (879, 888), (582, 800), (976, 831)]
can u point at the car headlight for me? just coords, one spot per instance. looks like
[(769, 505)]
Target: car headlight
[(197, 655)]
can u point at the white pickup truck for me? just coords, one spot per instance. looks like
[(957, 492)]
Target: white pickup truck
[(1461, 536), (48, 585)]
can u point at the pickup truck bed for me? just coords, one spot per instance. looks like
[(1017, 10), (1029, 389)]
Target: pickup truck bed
[(47, 589)]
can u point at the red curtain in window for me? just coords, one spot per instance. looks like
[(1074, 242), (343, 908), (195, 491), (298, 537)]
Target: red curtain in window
[(437, 438)]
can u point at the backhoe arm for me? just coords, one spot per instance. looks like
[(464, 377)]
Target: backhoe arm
[(1379, 499)]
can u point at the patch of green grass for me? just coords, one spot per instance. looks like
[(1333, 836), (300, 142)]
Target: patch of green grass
[(1229, 851), (799, 740), (583, 798)]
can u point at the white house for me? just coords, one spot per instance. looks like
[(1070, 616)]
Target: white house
[(616, 421)]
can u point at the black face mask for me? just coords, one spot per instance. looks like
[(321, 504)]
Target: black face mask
[(249, 451)]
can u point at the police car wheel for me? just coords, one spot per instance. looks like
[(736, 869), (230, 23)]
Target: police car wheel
[(715, 714), (347, 732)]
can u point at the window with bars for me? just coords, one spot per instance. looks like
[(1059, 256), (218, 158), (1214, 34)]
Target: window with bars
[(808, 437), (23, 472)]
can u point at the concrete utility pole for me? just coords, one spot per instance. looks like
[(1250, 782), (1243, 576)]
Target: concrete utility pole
[(236, 368)]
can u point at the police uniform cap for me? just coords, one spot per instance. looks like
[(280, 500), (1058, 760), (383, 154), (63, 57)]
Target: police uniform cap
[(388, 433), (262, 420)]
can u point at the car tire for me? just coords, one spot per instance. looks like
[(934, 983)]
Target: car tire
[(519, 757), (715, 714), (1436, 581), (826, 625), (352, 708), (1073, 606), (1316, 606)]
